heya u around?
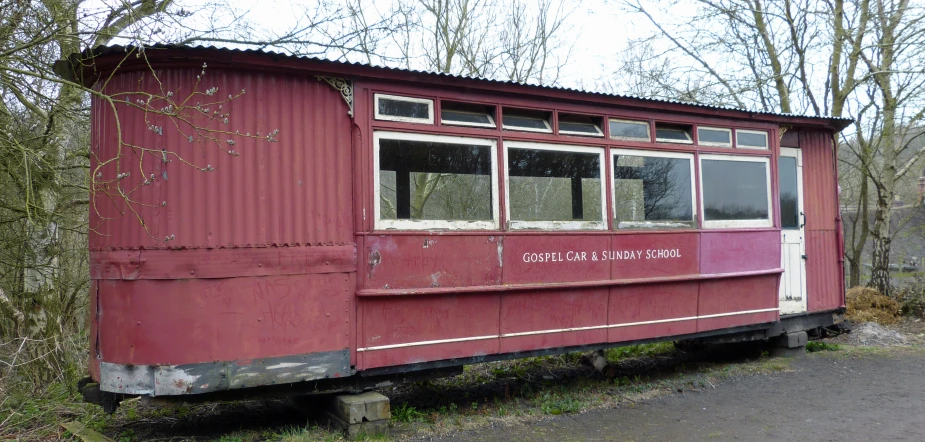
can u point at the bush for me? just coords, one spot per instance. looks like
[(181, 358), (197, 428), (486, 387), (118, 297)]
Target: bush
[(911, 299)]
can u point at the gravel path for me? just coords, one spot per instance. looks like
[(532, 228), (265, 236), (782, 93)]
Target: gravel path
[(827, 397)]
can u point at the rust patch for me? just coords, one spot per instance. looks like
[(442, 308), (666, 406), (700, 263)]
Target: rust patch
[(374, 259)]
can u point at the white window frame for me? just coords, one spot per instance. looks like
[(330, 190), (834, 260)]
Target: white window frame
[(548, 129), (727, 224), (619, 120), (466, 123), (599, 133), (670, 140), (427, 224), (554, 225), (767, 144), (627, 225), (428, 101), (713, 143)]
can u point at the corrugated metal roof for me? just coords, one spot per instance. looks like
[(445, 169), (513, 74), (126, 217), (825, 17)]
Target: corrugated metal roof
[(106, 50)]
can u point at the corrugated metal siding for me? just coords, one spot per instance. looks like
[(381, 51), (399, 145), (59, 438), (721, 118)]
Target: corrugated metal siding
[(296, 191), (823, 271), (820, 202)]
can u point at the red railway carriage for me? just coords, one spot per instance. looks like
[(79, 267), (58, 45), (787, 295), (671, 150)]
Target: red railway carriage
[(406, 221)]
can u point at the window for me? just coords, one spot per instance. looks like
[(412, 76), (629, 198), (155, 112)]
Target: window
[(736, 191), (583, 125), (789, 197), (464, 114), (554, 187), (714, 136), (526, 120), (672, 134), (435, 182), (653, 190), (752, 139), (629, 130), (407, 109)]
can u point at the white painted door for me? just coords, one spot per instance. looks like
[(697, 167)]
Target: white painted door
[(793, 244)]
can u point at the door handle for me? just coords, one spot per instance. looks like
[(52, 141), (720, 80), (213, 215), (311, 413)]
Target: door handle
[(804, 219)]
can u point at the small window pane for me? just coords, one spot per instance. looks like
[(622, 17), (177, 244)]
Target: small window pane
[(629, 130), (554, 186), (517, 121), (652, 192), (425, 180), (714, 136), (666, 134), (789, 203), (402, 108), (451, 116), (752, 139), (734, 190), (585, 128)]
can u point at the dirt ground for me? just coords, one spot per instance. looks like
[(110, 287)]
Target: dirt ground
[(868, 395)]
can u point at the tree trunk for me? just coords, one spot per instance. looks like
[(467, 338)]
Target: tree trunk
[(880, 262), (860, 234)]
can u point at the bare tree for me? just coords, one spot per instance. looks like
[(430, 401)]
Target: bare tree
[(771, 56)]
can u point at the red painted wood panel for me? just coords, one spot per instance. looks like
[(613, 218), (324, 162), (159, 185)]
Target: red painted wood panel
[(93, 361), (654, 255), (553, 310), (652, 302), (823, 271), (417, 319), (221, 263), (564, 258), (418, 261), (729, 252), (732, 295), (155, 322)]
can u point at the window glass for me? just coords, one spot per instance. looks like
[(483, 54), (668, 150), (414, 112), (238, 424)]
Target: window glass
[(579, 128), (652, 192), (629, 130), (734, 190), (449, 116), (672, 135), (432, 180), (752, 139), (574, 124), (549, 185), (525, 122), (390, 107), (789, 203), (716, 137)]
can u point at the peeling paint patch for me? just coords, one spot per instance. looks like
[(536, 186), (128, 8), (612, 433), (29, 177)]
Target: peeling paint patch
[(374, 260), (172, 380), (500, 252), (285, 365)]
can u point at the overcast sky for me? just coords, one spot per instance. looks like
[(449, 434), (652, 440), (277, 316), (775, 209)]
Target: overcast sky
[(594, 33)]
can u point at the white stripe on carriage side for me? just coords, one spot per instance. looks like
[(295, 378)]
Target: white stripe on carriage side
[(561, 330), (438, 341)]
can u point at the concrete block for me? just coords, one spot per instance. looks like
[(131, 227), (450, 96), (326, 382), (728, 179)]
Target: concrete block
[(360, 415), (791, 340), (364, 407), (360, 430)]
